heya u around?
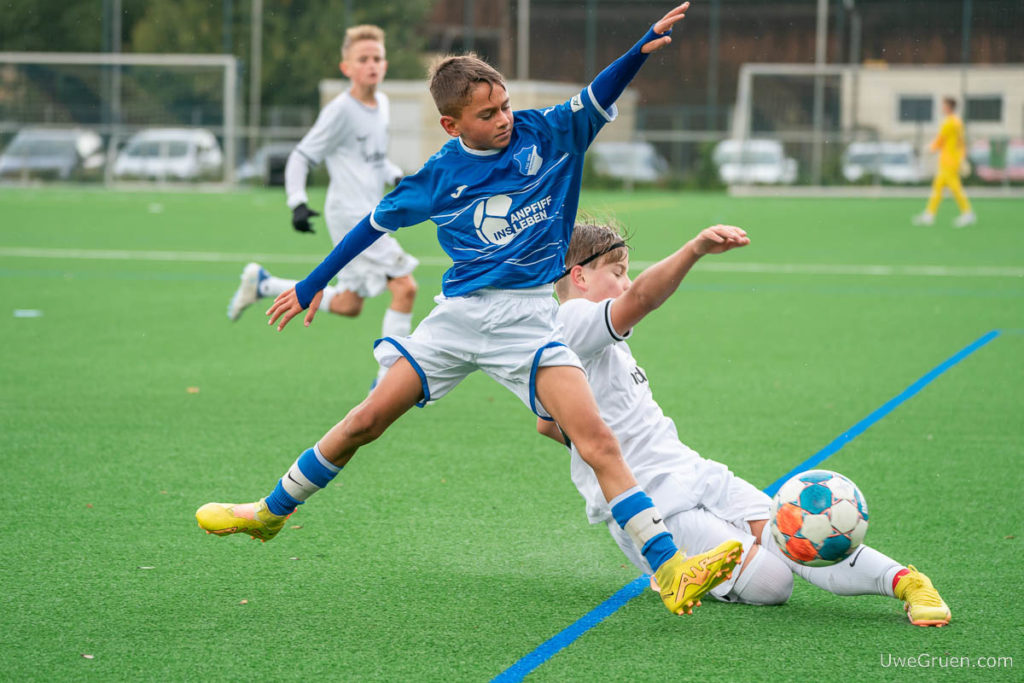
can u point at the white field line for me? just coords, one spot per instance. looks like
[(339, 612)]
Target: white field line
[(707, 265)]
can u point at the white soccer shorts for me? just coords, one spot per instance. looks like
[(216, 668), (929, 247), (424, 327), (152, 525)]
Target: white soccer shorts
[(368, 273), (507, 333)]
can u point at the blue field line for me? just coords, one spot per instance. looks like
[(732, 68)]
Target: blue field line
[(520, 669), (886, 408), (564, 638)]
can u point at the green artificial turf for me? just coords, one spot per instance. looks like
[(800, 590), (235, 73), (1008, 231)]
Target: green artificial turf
[(456, 544)]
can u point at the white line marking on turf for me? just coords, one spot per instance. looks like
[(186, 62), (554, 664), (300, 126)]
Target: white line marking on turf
[(712, 266)]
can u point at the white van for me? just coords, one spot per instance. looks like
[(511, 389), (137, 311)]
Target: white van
[(895, 162), (170, 153), (755, 161), (637, 161)]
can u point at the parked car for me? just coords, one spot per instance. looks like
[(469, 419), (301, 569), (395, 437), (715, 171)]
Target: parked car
[(172, 153), (1010, 167), (754, 161), (636, 161), (52, 152), (895, 162), (266, 165)]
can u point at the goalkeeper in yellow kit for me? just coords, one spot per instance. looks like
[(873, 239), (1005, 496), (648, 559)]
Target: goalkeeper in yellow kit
[(949, 143)]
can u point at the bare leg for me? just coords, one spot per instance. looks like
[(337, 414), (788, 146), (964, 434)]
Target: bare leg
[(397, 392), (347, 303), (403, 293), (565, 394)]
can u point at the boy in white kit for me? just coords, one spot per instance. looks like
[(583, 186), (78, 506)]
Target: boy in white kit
[(703, 502), (351, 136), (504, 200)]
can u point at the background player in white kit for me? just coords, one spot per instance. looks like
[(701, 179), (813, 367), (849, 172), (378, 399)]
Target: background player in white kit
[(703, 503), (351, 136)]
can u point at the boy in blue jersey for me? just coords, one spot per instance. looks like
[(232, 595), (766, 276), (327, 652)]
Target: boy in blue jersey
[(503, 194)]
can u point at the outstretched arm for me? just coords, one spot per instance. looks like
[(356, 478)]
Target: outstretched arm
[(308, 291), (656, 284), (610, 83)]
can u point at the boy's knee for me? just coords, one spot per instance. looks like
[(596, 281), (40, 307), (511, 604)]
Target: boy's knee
[(598, 445), (765, 580), (363, 424), (349, 306), (403, 289)]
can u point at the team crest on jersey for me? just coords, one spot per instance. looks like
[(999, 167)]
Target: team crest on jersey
[(576, 103), (528, 160)]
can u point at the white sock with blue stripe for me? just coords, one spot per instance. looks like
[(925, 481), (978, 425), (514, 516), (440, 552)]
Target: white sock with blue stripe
[(636, 514), (310, 472)]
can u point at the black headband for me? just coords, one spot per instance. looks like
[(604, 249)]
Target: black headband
[(590, 258)]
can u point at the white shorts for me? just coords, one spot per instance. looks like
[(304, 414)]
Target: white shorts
[(507, 333), (368, 273), (727, 507)]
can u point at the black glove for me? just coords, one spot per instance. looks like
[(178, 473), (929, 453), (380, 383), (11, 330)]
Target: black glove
[(300, 218)]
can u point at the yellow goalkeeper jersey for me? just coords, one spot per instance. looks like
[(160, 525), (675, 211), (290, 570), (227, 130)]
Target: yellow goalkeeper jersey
[(950, 143)]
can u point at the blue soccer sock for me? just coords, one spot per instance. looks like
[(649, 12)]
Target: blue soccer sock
[(307, 475), (636, 514)]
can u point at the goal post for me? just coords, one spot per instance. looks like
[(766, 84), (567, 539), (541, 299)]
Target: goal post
[(872, 123), (119, 93), (802, 104)]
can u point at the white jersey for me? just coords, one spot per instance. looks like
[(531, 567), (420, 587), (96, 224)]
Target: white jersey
[(352, 138), (648, 438)]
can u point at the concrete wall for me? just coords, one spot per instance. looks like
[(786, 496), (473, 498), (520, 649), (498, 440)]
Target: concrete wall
[(416, 133), (878, 89)]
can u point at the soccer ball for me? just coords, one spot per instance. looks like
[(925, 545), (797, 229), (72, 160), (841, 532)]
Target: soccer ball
[(490, 219), (818, 518)]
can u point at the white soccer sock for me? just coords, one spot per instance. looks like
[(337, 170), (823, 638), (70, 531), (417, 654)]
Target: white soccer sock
[(865, 572), (297, 484), (272, 286), (396, 324), (330, 292)]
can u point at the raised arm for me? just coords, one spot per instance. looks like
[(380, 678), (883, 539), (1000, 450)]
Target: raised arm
[(610, 83), (656, 284)]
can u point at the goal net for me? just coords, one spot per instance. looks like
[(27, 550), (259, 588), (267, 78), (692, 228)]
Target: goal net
[(185, 106), (872, 124)]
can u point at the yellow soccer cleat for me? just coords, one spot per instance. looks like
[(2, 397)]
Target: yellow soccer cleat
[(254, 519), (923, 604), (684, 580)]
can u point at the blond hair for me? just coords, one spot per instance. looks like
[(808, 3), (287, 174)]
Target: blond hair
[(362, 32), (454, 77), (592, 236)]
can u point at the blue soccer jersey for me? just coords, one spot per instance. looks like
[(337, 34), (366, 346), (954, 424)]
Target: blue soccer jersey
[(504, 216)]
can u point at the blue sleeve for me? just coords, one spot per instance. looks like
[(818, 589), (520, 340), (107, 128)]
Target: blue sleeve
[(570, 126), (357, 239), (610, 83), (410, 203), (573, 125)]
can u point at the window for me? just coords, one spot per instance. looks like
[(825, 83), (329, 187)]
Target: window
[(916, 109), (984, 108)]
